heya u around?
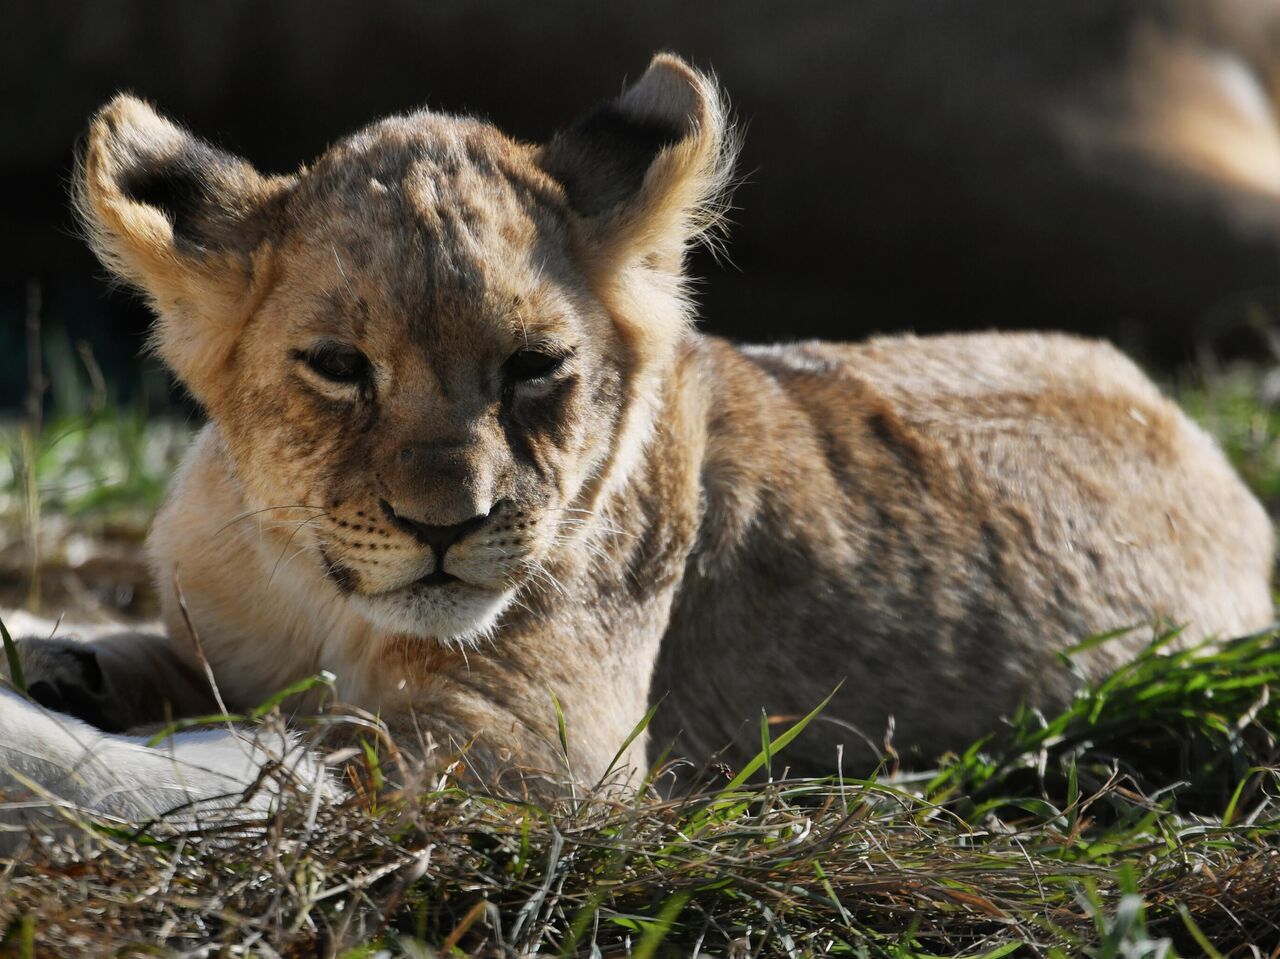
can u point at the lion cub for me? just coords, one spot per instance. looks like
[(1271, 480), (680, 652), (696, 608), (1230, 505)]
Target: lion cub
[(466, 451)]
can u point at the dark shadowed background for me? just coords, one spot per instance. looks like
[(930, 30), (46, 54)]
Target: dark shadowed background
[(908, 164)]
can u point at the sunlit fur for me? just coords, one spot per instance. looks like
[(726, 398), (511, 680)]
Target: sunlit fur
[(668, 515)]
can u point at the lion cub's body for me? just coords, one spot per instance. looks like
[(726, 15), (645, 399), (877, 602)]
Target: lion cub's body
[(932, 520), (467, 453), (929, 520)]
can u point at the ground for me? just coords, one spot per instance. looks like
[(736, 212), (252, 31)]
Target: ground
[(1145, 821)]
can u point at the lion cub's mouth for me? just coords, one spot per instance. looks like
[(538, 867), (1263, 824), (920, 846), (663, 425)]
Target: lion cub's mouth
[(438, 606), (436, 578)]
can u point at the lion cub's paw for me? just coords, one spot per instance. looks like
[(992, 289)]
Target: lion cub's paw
[(64, 675)]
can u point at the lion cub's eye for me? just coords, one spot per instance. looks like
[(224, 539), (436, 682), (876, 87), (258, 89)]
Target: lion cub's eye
[(341, 364), (532, 364)]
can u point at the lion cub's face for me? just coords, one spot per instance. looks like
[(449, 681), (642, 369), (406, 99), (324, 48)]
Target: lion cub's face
[(428, 352), (430, 372)]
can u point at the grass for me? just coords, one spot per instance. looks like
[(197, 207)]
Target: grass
[(76, 498), (1240, 406), (1143, 821), (107, 469)]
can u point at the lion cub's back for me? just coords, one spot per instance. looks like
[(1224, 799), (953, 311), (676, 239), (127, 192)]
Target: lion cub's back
[(1100, 477)]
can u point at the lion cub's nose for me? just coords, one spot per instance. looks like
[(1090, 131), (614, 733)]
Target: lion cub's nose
[(439, 538)]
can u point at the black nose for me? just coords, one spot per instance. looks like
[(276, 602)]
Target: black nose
[(439, 538)]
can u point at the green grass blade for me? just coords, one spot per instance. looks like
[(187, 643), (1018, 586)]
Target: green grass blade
[(1073, 796), (15, 664), (1229, 814), (375, 764), (322, 678), (19, 939), (561, 730), (1197, 934), (656, 931), (190, 722), (765, 745), (776, 745), (631, 737), (1096, 640)]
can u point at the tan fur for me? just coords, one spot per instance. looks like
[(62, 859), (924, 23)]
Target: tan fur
[(1204, 110), (929, 520)]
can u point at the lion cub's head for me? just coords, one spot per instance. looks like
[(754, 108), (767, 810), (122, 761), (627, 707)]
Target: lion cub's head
[(443, 343)]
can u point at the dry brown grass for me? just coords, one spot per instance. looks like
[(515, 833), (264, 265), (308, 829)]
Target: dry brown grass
[(1142, 822)]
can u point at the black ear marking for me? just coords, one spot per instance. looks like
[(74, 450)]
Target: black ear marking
[(602, 159), (183, 186)]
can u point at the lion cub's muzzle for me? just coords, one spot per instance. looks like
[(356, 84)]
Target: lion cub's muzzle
[(438, 538), (450, 582)]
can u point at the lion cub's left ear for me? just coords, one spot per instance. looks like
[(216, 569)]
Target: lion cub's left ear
[(649, 171), (183, 222)]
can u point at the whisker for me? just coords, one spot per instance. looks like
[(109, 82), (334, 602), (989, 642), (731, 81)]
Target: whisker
[(590, 547), (285, 548), (582, 524), (543, 576), (524, 606), (254, 512), (302, 551)]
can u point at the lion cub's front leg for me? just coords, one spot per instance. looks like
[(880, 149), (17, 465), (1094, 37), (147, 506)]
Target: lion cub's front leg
[(116, 682)]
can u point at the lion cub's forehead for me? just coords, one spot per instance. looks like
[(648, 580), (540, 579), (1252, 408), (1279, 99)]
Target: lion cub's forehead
[(427, 212)]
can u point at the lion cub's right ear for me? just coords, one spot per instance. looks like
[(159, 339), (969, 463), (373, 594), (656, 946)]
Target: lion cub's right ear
[(183, 222), (648, 172)]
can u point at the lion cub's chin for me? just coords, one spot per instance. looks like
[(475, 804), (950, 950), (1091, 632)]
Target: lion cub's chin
[(453, 615)]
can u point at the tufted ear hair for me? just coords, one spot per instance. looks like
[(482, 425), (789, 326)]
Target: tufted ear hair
[(648, 172), (182, 221)]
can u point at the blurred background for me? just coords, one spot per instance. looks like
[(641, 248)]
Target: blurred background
[(1108, 168)]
